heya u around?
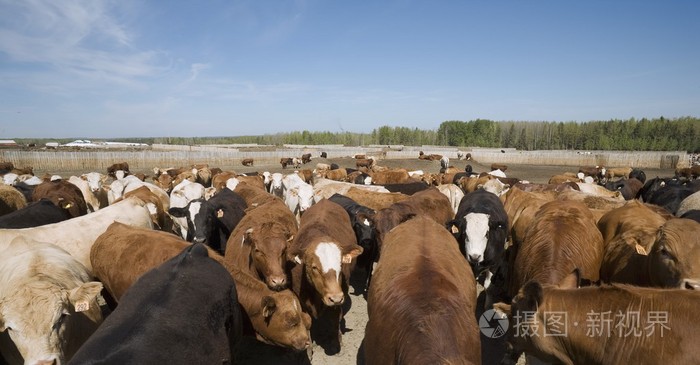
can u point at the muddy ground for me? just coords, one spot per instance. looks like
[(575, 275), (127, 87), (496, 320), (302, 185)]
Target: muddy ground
[(254, 352)]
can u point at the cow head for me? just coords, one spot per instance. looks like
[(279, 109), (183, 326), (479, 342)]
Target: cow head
[(189, 212), (286, 324), (95, 180), (673, 260), (276, 186), (481, 239), (323, 262), (41, 319), (268, 249), (362, 224)]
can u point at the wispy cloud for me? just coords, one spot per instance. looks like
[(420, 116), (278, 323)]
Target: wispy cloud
[(82, 38)]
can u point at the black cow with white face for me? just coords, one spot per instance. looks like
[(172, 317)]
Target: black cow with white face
[(481, 229), (212, 221), (184, 311)]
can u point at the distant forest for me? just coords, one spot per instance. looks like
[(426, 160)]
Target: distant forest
[(660, 134)]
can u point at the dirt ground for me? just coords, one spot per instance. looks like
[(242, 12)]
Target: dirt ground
[(254, 352)]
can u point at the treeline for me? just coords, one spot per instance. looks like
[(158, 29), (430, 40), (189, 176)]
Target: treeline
[(660, 134)]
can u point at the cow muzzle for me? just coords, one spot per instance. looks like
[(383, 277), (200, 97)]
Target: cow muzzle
[(334, 299), (277, 283)]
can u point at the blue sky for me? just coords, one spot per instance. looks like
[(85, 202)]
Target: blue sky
[(127, 68)]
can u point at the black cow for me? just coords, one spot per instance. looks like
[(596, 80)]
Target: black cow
[(692, 214), (334, 166), (360, 178), (639, 175), (214, 219), (481, 229), (26, 190), (35, 214), (361, 218), (184, 311), (408, 188), (670, 197), (324, 155)]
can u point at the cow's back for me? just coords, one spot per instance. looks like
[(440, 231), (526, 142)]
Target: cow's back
[(423, 282)]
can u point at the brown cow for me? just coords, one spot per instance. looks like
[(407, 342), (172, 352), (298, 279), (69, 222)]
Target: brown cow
[(563, 236), (674, 260), (6, 166), (325, 250), (430, 202), (219, 180), (202, 175), (374, 200), (276, 316), (521, 207), (164, 181), (608, 325), (63, 194), (340, 174), (628, 233), (396, 176), (258, 244), (498, 166), (256, 180), (305, 158), (112, 170), (360, 156), (247, 162), (623, 172), (161, 220), (253, 195), (364, 162), (123, 253), (422, 300), (286, 161)]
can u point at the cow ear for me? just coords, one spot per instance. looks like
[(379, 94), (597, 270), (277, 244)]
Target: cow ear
[(84, 177), (356, 251), (297, 259), (290, 239), (268, 306), (178, 212), (82, 296), (532, 296), (571, 281)]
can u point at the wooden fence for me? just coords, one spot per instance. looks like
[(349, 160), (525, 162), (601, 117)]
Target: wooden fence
[(221, 156)]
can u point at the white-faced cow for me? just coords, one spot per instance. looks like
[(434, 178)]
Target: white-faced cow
[(481, 229)]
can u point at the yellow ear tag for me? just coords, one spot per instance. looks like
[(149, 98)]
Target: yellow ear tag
[(82, 306), (455, 229), (219, 213)]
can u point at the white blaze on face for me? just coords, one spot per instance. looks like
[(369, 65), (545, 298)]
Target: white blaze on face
[(193, 210), (119, 174), (306, 197), (329, 256), (476, 234)]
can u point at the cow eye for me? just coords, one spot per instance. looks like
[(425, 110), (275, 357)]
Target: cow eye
[(664, 251), (60, 321)]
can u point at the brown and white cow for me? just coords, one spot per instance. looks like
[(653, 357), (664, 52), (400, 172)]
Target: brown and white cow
[(114, 170), (325, 249), (608, 325), (48, 303), (258, 244), (422, 300)]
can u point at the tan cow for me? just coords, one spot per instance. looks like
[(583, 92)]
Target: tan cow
[(48, 303), (11, 199)]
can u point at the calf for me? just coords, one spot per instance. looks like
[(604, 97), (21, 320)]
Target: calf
[(258, 245), (325, 249), (49, 303), (422, 302), (183, 311), (247, 162)]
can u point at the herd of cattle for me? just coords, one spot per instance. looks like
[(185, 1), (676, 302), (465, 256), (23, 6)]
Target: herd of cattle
[(176, 268)]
